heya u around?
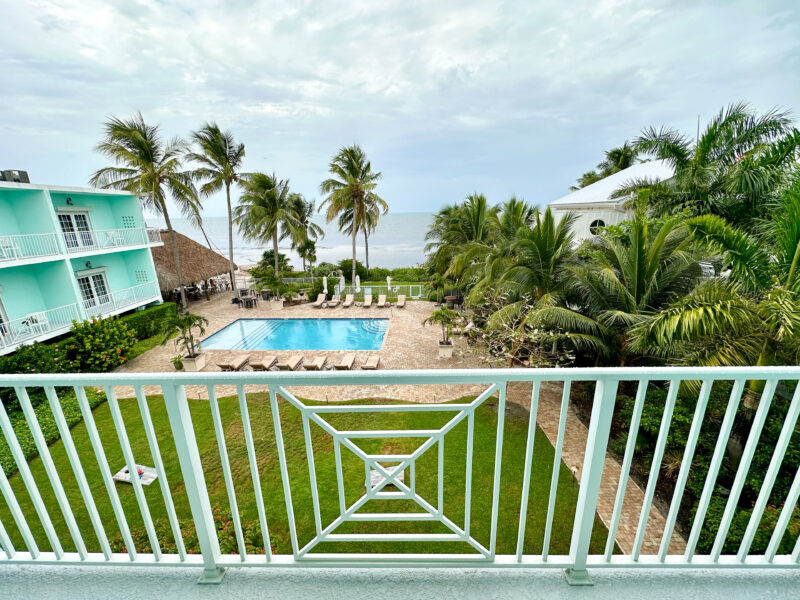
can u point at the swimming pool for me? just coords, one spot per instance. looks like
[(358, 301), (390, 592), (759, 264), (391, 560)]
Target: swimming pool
[(299, 334)]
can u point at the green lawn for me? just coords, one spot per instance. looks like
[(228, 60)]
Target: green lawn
[(261, 418)]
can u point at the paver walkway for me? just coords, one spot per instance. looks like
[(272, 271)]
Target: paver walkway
[(572, 455)]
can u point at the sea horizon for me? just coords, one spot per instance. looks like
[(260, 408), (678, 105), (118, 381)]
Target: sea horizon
[(398, 241)]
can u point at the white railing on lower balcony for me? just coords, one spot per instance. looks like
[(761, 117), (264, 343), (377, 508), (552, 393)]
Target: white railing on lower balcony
[(29, 245), (37, 325), (120, 299), (354, 481), (154, 235), (103, 239), (409, 291)]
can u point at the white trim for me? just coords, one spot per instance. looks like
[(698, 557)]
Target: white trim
[(73, 209), (89, 272), (11, 185)]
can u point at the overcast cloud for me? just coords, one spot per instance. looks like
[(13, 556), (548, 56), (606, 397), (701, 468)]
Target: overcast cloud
[(447, 98)]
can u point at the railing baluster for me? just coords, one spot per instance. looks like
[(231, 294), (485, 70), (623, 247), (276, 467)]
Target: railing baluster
[(713, 468), (130, 462), (5, 543), (551, 501), (498, 464), (655, 469), (226, 470), (440, 477), (526, 477), (312, 475), (251, 457), (105, 470), (605, 396), (287, 490), (30, 482), (77, 470), (775, 462), (180, 421), (51, 471), (337, 454), (155, 452), (686, 465), (468, 476), (18, 516), (744, 466), (784, 518)]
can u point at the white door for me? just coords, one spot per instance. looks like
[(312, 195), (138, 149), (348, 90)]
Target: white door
[(94, 289), (77, 229)]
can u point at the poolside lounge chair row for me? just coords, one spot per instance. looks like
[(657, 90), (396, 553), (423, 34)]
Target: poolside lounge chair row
[(348, 301), (294, 362)]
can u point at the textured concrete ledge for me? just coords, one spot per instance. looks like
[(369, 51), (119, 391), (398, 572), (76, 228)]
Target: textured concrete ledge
[(65, 583)]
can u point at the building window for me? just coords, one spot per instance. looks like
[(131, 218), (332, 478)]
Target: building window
[(94, 290), (596, 225), (141, 276), (77, 229), (128, 222)]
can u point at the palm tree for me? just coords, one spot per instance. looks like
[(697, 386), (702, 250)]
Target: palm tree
[(616, 160), (147, 166), (729, 169), (220, 157), (351, 187), (266, 212), (308, 230), (308, 253), (370, 223)]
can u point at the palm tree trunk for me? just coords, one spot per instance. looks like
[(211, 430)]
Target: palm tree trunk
[(230, 236), (366, 249), (176, 257), (275, 252), (353, 279)]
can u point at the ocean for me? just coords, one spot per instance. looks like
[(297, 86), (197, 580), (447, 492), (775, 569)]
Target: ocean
[(398, 241)]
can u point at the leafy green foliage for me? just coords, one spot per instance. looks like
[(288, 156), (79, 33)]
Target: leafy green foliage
[(410, 274), (148, 322), (346, 267), (101, 345), (186, 328)]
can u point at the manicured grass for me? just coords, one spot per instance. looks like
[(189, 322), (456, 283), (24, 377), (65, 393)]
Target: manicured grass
[(353, 468)]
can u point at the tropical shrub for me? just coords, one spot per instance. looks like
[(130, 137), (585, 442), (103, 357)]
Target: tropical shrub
[(148, 322), (346, 267), (378, 274), (410, 274), (101, 345), (187, 329), (40, 358)]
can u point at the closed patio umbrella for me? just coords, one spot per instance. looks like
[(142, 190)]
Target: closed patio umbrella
[(388, 284), (324, 285), (358, 284), (341, 284)]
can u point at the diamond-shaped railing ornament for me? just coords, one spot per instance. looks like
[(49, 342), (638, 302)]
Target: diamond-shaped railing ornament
[(382, 471)]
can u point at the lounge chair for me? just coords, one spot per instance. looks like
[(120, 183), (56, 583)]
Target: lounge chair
[(292, 363), (371, 363), (382, 301), (264, 364), (348, 301), (367, 300), (401, 301), (234, 364), (317, 364), (334, 302), (346, 362), (319, 301)]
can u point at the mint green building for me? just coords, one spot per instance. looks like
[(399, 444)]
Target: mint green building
[(70, 254)]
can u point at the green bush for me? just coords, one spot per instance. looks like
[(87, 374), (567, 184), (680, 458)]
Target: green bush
[(346, 266), (316, 289), (148, 322), (378, 274), (72, 414), (410, 274), (101, 344), (39, 358)]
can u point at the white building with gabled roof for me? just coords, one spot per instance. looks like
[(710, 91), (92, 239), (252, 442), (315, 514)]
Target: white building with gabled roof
[(595, 206)]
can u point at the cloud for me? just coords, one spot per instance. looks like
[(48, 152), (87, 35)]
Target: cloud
[(447, 97)]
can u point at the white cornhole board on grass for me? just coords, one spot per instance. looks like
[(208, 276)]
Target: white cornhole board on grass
[(148, 476), (376, 477)]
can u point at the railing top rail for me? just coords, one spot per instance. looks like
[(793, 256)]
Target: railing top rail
[(429, 376)]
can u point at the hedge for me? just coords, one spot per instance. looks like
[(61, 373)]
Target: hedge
[(72, 414)]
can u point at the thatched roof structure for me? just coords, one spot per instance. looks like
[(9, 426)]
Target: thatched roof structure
[(198, 263)]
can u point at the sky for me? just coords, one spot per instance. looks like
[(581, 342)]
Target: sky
[(447, 98)]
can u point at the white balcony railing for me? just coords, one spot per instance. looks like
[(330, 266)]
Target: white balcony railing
[(120, 299), (316, 502), (30, 245), (36, 325), (102, 239)]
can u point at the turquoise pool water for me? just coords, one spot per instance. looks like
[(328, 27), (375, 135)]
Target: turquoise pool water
[(299, 334)]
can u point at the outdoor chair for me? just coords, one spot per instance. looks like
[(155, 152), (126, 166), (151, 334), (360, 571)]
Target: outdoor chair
[(334, 302), (382, 301), (401, 301), (318, 302), (317, 364), (292, 363), (263, 364), (346, 362), (367, 300), (371, 363), (348, 301), (234, 364)]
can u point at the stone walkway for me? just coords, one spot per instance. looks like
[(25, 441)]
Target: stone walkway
[(409, 345)]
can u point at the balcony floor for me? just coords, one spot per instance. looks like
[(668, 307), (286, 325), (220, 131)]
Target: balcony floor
[(44, 583)]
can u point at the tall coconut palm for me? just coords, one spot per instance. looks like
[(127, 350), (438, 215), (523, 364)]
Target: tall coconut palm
[(308, 230), (308, 254), (151, 168), (220, 158), (731, 166), (266, 212), (616, 160), (370, 223), (352, 186)]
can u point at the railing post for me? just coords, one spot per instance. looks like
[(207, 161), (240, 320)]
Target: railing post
[(605, 394), (180, 420)]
